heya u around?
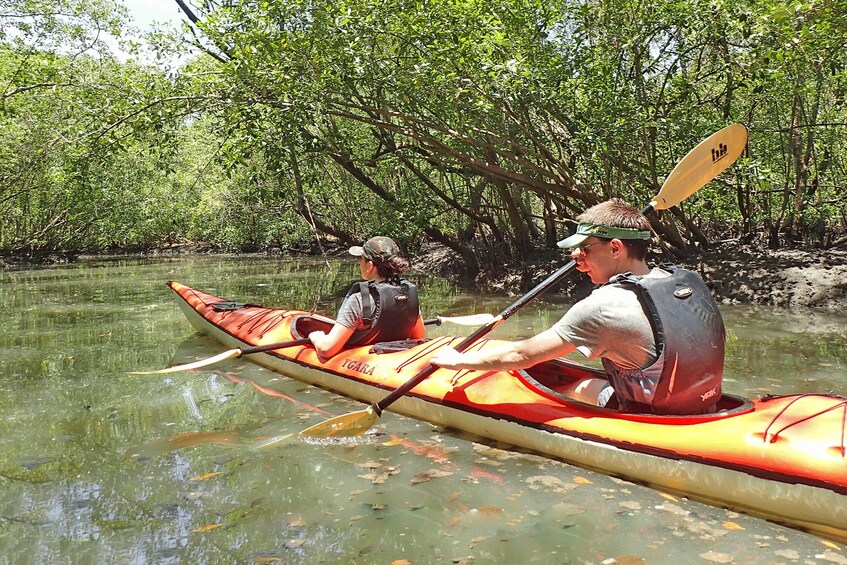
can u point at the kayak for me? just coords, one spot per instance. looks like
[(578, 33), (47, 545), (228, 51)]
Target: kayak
[(781, 458)]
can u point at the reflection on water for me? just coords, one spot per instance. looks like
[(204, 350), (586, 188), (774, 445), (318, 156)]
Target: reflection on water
[(98, 466)]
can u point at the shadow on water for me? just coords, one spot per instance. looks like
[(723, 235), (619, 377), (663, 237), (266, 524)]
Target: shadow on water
[(100, 467)]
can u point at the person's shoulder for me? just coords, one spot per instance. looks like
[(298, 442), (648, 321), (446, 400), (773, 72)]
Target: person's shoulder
[(610, 293), (658, 272), (352, 302)]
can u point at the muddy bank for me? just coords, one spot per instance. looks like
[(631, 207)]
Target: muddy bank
[(791, 278), (737, 273)]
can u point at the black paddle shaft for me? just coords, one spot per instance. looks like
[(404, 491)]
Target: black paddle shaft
[(482, 331)]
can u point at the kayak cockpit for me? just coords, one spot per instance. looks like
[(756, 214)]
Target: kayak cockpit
[(572, 382), (304, 324)]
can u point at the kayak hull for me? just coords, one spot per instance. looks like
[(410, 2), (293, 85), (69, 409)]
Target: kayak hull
[(778, 458)]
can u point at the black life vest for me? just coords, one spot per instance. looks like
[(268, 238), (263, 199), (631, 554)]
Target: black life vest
[(390, 311), (690, 340)]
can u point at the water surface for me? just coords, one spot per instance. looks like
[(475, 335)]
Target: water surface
[(98, 466)]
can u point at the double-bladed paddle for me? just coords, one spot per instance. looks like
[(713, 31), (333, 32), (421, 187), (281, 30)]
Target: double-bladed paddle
[(471, 320), (697, 168)]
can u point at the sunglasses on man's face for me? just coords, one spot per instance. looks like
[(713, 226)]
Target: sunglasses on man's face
[(583, 249)]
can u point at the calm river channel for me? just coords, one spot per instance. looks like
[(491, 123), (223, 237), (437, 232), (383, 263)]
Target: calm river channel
[(98, 466)]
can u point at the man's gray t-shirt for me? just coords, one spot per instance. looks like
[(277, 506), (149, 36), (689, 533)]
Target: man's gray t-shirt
[(611, 323)]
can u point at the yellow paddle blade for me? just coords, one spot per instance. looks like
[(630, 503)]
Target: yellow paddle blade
[(231, 354), (471, 320), (270, 441), (353, 424), (701, 165)]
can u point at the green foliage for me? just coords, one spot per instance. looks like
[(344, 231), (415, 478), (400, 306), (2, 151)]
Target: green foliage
[(479, 124)]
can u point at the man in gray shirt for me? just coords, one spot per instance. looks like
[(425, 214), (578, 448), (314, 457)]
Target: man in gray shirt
[(657, 331)]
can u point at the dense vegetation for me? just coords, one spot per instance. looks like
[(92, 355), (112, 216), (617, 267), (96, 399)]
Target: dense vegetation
[(479, 124)]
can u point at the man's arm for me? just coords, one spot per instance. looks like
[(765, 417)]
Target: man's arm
[(512, 355)]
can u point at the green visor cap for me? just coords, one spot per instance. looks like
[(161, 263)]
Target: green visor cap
[(586, 229)]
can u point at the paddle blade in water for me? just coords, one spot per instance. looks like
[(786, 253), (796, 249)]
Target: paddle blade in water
[(231, 354), (276, 440), (353, 424)]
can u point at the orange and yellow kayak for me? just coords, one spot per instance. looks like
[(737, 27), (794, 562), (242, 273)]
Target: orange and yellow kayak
[(781, 458)]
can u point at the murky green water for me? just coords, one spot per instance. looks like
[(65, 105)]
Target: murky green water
[(88, 474)]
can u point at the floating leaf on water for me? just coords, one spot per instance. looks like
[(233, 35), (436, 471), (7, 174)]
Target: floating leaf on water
[(673, 509), (704, 530), (549, 482), (356, 492), (370, 465), (205, 476), (479, 539), (376, 478), (830, 544), (630, 505), (716, 557), (357, 517), (294, 543), (401, 562), (668, 496), (566, 509), (429, 475), (205, 528), (732, 526), (628, 560), (581, 481), (393, 442)]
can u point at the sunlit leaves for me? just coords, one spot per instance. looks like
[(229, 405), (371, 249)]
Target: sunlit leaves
[(469, 121)]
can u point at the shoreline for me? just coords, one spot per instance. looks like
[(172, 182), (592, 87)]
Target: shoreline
[(794, 278)]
